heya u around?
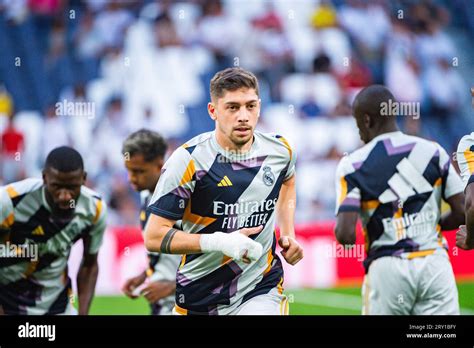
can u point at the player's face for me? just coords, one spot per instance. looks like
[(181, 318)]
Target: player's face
[(63, 189), (143, 175), (236, 114)]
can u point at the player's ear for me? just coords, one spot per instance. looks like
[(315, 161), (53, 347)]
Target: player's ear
[(43, 173), (84, 177), (211, 109)]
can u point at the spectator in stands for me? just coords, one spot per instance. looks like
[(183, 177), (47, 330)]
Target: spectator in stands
[(446, 93), (273, 48), (324, 83), (330, 38), (311, 62), (368, 24), (112, 23), (54, 131), (13, 142), (80, 123), (6, 106), (108, 135), (87, 45), (58, 65), (221, 33)]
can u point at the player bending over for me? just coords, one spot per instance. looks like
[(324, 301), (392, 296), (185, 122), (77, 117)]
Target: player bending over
[(42, 219)]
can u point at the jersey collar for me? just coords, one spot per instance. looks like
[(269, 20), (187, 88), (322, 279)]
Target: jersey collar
[(386, 135), (235, 156)]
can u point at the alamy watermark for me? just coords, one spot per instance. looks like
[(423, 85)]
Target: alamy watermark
[(395, 108), (28, 330), (232, 156), (74, 108), (335, 250), (23, 251)]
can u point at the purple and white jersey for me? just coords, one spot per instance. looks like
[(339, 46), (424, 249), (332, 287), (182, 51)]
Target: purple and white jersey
[(396, 183), (211, 189)]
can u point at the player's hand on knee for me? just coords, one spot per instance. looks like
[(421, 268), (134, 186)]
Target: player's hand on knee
[(236, 245), (292, 250), (461, 238)]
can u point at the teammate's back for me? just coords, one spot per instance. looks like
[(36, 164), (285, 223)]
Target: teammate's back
[(397, 182)]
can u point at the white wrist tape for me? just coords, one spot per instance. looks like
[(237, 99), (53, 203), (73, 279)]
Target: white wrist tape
[(233, 244)]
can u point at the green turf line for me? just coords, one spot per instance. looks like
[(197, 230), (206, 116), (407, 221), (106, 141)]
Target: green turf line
[(337, 301)]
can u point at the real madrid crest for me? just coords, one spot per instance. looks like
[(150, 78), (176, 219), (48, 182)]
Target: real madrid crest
[(268, 177)]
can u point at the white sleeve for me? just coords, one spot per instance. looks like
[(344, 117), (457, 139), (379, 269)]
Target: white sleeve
[(6, 209), (452, 183), (175, 186), (97, 232), (465, 158)]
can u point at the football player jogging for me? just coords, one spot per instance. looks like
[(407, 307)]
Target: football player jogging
[(228, 186), (396, 183), (144, 153), (41, 220)]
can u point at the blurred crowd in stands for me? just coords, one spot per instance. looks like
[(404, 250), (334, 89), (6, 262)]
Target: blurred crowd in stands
[(87, 73)]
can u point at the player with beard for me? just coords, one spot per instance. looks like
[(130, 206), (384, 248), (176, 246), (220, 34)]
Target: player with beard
[(228, 186)]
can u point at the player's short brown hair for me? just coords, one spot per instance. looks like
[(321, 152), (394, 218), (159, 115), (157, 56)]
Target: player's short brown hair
[(232, 79)]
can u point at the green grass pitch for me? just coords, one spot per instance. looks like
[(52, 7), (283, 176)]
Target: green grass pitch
[(336, 301)]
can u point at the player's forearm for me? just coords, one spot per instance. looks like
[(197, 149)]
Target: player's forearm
[(161, 236), (168, 240), (345, 229), (456, 216), (346, 237), (86, 281), (286, 221), (452, 220), (286, 209)]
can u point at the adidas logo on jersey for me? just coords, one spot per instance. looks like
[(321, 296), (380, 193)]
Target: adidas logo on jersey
[(405, 183), (225, 182), (38, 231)]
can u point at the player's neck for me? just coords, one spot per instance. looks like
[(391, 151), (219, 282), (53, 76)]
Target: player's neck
[(386, 129)]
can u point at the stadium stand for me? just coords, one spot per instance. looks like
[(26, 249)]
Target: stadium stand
[(148, 64)]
